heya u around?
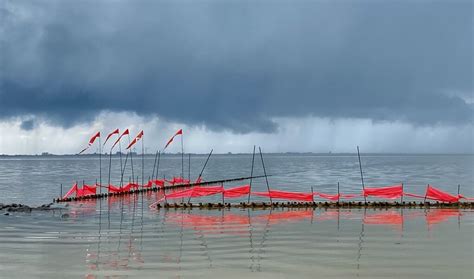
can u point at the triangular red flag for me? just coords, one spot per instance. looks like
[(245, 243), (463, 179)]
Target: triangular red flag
[(137, 138), (116, 131), (123, 134), (179, 132)]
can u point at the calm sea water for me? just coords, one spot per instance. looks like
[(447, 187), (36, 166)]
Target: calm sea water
[(121, 237)]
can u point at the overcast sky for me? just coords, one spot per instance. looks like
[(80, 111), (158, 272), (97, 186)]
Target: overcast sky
[(390, 76)]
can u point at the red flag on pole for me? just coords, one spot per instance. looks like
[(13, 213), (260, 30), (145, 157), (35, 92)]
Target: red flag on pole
[(111, 134), (91, 141), (123, 134), (137, 138), (179, 132)]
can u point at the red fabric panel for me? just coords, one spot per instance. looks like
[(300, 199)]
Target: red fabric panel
[(466, 198), (391, 192), (123, 134), (89, 190), (180, 194), (206, 191), (276, 194), (179, 132), (91, 141), (178, 180), (114, 189), (79, 192), (329, 197), (71, 191), (198, 180), (159, 182), (149, 184), (435, 194), (237, 191)]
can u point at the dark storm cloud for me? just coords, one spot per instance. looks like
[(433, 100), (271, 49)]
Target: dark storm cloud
[(237, 64)]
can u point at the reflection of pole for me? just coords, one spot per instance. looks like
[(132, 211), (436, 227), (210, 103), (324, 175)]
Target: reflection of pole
[(361, 175), (251, 173), (265, 173)]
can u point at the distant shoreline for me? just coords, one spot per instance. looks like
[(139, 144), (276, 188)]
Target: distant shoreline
[(233, 154)]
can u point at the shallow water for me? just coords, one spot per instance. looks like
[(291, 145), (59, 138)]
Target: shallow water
[(121, 237)]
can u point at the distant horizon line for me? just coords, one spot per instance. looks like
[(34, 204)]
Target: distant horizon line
[(47, 154)]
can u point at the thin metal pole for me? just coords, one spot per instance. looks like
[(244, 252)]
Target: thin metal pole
[(265, 173), (424, 200), (123, 171), (154, 165), (110, 166), (120, 154), (223, 200), (158, 165), (100, 166), (251, 174), (361, 175), (61, 192), (182, 156), (459, 189), (189, 167), (131, 157), (338, 195), (143, 161), (401, 198), (312, 193), (209, 156)]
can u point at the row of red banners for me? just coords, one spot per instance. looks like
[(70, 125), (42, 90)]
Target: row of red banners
[(391, 192)]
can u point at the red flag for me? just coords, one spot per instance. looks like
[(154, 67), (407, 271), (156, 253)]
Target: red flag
[(391, 192), (435, 194), (71, 191), (111, 134), (137, 138), (91, 141), (179, 132), (123, 134), (276, 194)]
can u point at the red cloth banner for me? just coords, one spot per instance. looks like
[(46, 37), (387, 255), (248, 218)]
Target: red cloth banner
[(206, 191), (135, 140), (91, 141), (71, 191), (159, 183), (148, 184), (179, 132), (89, 190), (178, 180), (237, 191), (179, 194), (116, 131), (276, 194), (114, 189), (435, 194), (126, 132), (391, 192)]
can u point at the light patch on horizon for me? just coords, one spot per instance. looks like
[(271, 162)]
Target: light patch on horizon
[(308, 134)]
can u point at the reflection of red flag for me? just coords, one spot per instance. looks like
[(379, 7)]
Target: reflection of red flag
[(137, 138), (179, 132), (111, 134), (91, 141)]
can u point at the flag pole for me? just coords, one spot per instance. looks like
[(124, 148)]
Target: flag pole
[(401, 198), (209, 156), (143, 160), (61, 192), (182, 156), (158, 165), (251, 174), (361, 175), (123, 170), (338, 195), (265, 173), (189, 167), (154, 166), (100, 166), (131, 157), (110, 165)]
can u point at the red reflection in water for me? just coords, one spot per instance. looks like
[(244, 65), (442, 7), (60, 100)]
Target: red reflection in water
[(437, 216), (392, 218)]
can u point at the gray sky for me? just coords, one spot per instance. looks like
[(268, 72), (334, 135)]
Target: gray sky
[(289, 75)]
